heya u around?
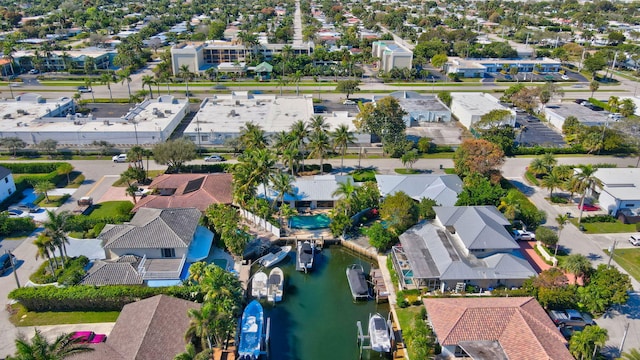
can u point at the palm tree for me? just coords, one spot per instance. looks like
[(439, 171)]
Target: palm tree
[(295, 78), (549, 160), (594, 86), (318, 147), (537, 167), (290, 158), (185, 73), (614, 104), (318, 123), (562, 220), (347, 191), (584, 344), (632, 354), (551, 181), (135, 156), (106, 79), (342, 138), (281, 184), (131, 191), (43, 187), (88, 82), (287, 52), (252, 136), (148, 80), (44, 244), (586, 177), (55, 228), (39, 348), (577, 264), (191, 354), (66, 169), (299, 131), (510, 205), (125, 75), (200, 326)]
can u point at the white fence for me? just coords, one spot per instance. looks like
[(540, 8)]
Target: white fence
[(260, 222)]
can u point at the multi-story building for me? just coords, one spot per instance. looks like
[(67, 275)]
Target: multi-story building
[(391, 55)]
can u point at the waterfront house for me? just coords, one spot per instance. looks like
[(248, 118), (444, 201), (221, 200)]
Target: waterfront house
[(444, 189), (310, 192)]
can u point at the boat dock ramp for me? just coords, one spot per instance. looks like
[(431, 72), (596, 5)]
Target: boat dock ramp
[(379, 288)]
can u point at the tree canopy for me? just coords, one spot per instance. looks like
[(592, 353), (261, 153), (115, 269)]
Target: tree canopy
[(479, 156), (174, 153)]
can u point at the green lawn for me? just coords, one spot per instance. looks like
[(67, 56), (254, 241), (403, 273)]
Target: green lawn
[(54, 201), (22, 317), (606, 227), (406, 316), (628, 259), (108, 209), (405, 171)]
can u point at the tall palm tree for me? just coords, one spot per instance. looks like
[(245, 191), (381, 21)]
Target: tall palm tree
[(55, 228), (346, 191), (549, 160), (43, 187), (124, 75), (318, 123), (318, 147), (290, 158), (584, 344), (44, 244), (191, 353), (510, 205), (107, 79), (88, 82), (200, 325), (185, 73), (342, 138), (148, 80), (287, 53), (281, 184), (588, 180), (39, 348), (252, 136), (552, 181), (295, 78), (577, 264), (632, 354), (300, 132), (131, 191), (562, 220)]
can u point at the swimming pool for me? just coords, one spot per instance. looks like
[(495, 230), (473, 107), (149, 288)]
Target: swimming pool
[(309, 222)]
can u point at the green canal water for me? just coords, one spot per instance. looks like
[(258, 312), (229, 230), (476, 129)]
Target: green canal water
[(317, 318)]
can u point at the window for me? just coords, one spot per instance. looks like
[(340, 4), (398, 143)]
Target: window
[(6, 180), (168, 253), (630, 205)]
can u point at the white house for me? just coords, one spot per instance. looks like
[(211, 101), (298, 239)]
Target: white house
[(7, 185), (470, 107), (620, 190), (421, 109), (444, 189)]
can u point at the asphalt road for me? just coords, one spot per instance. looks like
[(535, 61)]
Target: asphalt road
[(101, 173)]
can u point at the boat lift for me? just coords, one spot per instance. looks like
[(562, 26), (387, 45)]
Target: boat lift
[(364, 341)]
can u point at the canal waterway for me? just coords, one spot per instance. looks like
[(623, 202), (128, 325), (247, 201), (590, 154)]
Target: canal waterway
[(317, 318)]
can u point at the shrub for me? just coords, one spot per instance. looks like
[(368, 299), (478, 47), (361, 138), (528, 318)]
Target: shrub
[(363, 175), (94, 298), (598, 218), (14, 226)]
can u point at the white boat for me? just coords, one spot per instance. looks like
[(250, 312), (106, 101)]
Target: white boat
[(276, 285), (379, 334), (259, 285), (273, 258), (305, 254)]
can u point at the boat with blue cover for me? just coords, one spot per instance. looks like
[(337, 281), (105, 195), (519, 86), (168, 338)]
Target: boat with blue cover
[(357, 282), (252, 323)]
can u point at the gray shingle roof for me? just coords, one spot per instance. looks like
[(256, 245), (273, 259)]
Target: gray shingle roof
[(153, 228), (123, 271), (4, 172), (444, 189), (479, 227)]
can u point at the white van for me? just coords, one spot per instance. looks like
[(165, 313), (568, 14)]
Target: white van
[(119, 158)]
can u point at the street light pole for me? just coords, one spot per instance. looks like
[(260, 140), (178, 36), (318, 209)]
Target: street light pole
[(13, 268)]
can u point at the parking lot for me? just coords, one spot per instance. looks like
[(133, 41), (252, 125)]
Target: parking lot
[(535, 132)]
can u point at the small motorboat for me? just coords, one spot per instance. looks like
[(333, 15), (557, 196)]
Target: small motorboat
[(305, 254), (259, 285), (276, 285), (379, 334), (357, 282), (251, 331), (273, 258)]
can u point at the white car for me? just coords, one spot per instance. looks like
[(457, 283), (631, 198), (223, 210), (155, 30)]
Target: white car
[(565, 77), (119, 158), (348, 102), (214, 158), (634, 240), (523, 235), (142, 192)]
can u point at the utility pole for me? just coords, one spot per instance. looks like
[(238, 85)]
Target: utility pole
[(612, 248), (624, 336), (582, 59), (613, 65), (13, 267)]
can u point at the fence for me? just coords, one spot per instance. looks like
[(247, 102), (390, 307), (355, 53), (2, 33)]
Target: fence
[(260, 222)]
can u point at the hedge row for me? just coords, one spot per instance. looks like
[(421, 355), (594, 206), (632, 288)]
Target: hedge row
[(83, 223), (94, 298), (32, 168)]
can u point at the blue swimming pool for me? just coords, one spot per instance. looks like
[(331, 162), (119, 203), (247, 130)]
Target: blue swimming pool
[(309, 222)]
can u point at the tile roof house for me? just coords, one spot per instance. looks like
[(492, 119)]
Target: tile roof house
[(495, 328), (462, 245), (149, 329), (188, 190), (444, 189), (161, 241), (310, 192), (121, 271)]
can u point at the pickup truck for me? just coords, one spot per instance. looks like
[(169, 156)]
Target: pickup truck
[(570, 317)]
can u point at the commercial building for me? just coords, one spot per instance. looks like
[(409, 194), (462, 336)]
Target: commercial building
[(470, 107), (200, 56), (221, 117), (620, 190), (420, 108), (33, 118), (61, 60), (558, 113), (391, 55), (480, 68)]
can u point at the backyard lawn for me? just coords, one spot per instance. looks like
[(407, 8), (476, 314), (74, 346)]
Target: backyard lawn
[(110, 208), (628, 259), (606, 227)]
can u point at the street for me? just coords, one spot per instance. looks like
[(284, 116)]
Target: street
[(100, 174)]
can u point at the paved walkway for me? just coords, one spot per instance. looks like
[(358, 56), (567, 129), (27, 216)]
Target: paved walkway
[(527, 249)]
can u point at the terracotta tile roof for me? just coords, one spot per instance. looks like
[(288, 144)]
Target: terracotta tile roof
[(189, 190), (150, 329), (519, 324)]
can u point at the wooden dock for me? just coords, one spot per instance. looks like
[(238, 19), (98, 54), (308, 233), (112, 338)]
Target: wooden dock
[(379, 287)]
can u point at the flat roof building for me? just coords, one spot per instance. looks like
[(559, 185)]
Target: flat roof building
[(222, 116), (32, 118), (480, 68), (558, 113), (420, 108), (470, 107), (391, 55)]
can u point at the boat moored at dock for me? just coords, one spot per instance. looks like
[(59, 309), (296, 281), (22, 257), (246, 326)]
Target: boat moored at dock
[(304, 256), (273, 258), (275, 290), (357, 282), (259, 285), (249, 347), (379, 334)]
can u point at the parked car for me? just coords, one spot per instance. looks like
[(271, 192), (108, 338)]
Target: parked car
[(28, 207), (142, 192), (580, 101), (588, 207), (564, 77), (214, 158), (570, 317), (523, 235), (634, 240), (34, 71), (348, 102), (88, 337), (15, 213), (119, 158), (84, 89), (6, 262)]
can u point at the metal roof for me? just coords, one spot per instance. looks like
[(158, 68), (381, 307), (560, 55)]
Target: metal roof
[(479, 227), (444, 189)]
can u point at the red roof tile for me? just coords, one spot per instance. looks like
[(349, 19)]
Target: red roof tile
[(519, 324)]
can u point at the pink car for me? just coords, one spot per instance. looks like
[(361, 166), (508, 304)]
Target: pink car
[(88, 337), (588, 207)]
